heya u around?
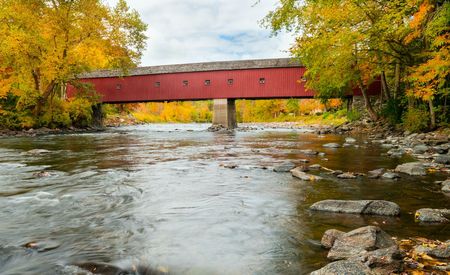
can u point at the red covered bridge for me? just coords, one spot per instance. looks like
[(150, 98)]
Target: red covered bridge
[(222, 81)]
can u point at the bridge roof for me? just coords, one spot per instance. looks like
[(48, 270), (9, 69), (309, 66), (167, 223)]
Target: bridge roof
[(198, 67)]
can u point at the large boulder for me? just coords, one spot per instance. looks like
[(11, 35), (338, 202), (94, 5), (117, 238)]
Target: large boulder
[(298, 173), (347, 267), (411, 168), (383, 260), (429, 215), (358, 242), (329, 237), (369, 207)]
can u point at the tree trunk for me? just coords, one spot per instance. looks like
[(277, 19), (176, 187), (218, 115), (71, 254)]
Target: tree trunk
[(349, 103), (373, 115), (397, 80), (41, 102), (432, 114), (384, 86)]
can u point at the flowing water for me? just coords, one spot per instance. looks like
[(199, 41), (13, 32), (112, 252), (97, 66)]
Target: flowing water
[(171, 196)]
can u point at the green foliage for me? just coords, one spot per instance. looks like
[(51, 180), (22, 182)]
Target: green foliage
[(353, 115), (56, 115), (350, 43), (393, 110), (80, 112), (416, 120)]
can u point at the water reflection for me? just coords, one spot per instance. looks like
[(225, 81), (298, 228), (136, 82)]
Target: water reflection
[(167, 195)]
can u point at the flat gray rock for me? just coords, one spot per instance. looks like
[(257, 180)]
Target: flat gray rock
[(350, 140), (429, 215), (411, 168), (441, 251), (442, 159), (284, 167), (309, 152), (446, 186), (331, 145), (345, 267), (420, 149), (369, 207), (298, 173), (390, 176)]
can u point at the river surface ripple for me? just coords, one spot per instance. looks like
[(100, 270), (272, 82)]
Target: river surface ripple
[(166, 195)]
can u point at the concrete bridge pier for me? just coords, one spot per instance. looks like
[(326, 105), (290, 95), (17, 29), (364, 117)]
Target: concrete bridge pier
[(97, 115), (225, 113)]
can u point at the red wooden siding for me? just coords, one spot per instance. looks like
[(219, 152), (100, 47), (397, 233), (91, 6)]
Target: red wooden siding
[(278, 83)]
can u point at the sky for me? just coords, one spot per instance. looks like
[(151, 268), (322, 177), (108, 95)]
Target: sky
[(188, 31)]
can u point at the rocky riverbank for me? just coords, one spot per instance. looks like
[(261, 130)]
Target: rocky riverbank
[(47, 131), (370, 250)]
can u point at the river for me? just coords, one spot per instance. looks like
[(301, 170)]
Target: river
[(192, 201)]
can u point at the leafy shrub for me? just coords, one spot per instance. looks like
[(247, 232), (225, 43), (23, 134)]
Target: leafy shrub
[(416, 120), (353, 115), (56, 115), (80, 112), (393, 110)]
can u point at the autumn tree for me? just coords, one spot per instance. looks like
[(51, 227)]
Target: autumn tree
[(348, 43), (46, 43)]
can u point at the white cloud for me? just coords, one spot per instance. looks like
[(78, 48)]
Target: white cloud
[(185, 31)]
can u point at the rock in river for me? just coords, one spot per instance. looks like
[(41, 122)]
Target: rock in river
[(442, 159), (350, 140), (347, 267), (390, 176), (347, 175), (298, 173), (369, 207), (433, 215), (366, 250), (375, 174), (411, 168), (330, 236), (284, 167), (359, 241), (446, 186), (331, 145)]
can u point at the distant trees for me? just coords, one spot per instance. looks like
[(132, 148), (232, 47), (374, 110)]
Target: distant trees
[(348, 43), (45, 44)]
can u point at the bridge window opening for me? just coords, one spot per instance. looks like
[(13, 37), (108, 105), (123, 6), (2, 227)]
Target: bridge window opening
[(118, 86), (157, 84), (207, 82), (262, 80), (230, 81), (185, 83)]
